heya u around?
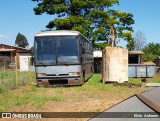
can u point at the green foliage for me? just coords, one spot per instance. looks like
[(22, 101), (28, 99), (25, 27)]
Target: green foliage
[(21, 41), (92, 18), (131, 45), (35, 98), (152, 51), (8, 80), (100, 45)]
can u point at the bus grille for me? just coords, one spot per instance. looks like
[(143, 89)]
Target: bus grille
[(56, 82)]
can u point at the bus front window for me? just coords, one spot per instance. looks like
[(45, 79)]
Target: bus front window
[(56, 50), (67, 50), (45, 50)]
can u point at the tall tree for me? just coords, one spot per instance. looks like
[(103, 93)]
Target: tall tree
[(131, 45), (21, 41), (92, 18), (152, 51), (140, 40)]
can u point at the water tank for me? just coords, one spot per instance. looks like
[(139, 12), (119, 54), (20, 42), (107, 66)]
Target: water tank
[(115, 65)]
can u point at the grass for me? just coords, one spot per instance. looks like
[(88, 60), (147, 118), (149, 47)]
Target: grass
[(154, 80), (9, 80), (138, 80), (27, 94)]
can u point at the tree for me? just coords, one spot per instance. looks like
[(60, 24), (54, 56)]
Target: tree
[(131, 45), (92, 18), (152, 51), (21, 41), (140, 40)]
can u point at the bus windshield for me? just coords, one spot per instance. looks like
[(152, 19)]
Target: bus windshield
[(56, 50)]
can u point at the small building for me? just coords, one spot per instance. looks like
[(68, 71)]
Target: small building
[(11, 55), (157, 62), (97, 54), (134, 57)]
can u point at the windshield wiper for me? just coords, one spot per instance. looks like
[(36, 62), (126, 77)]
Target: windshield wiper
[(62, 62), (41, 64), (74, 63)]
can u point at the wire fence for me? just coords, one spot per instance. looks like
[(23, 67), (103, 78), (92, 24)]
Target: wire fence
[(6, 62), (11, 77)]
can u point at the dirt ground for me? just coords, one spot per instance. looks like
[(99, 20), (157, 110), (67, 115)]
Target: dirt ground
[(98, 101), (89, 105), (82, 106), (157, 75)]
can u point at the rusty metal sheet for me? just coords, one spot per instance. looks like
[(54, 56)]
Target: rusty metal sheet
[(145, 103), (153, 95)]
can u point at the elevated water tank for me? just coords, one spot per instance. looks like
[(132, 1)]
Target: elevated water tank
[(115, 65)]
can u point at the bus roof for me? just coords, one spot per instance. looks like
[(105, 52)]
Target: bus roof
[(58, 32)]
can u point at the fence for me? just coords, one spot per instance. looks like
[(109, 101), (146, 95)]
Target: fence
[(23, 64), (6, 62), (11, 77)]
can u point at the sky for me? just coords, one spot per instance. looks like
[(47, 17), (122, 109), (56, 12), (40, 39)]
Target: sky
[(18, 16)]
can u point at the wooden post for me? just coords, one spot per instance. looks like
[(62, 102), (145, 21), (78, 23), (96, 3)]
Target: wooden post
[(16, 71), (29, 63)]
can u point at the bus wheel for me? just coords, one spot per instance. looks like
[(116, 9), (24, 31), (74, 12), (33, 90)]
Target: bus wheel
[(38, 85)]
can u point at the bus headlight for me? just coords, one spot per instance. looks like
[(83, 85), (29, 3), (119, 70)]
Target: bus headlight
[(74, 73), (40, 74)]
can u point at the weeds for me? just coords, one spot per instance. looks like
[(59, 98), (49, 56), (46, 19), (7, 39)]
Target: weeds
[(8, 80), (29, 94)]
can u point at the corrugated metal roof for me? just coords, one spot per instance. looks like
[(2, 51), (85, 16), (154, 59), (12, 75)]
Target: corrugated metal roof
[(138, 52), (6, 50), (145, 103), (153, 95), (9, 48)]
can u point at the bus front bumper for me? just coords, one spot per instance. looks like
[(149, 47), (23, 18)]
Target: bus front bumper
[(69, 80)]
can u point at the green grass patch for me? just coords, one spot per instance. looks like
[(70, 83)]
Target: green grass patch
[(9, 80), (135, 80), (154, 80), (35, 99), (29, 94)]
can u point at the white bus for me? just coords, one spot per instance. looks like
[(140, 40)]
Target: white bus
[(62, 58)]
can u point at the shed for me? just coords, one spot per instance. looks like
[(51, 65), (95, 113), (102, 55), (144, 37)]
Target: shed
[(157, 62), (9, 53), (97, 61), (134, 57)]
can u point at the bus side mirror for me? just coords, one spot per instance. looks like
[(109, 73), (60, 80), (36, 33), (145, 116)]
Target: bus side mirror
[(81, 59), (83, 50), (32, 56), (32, 51)]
